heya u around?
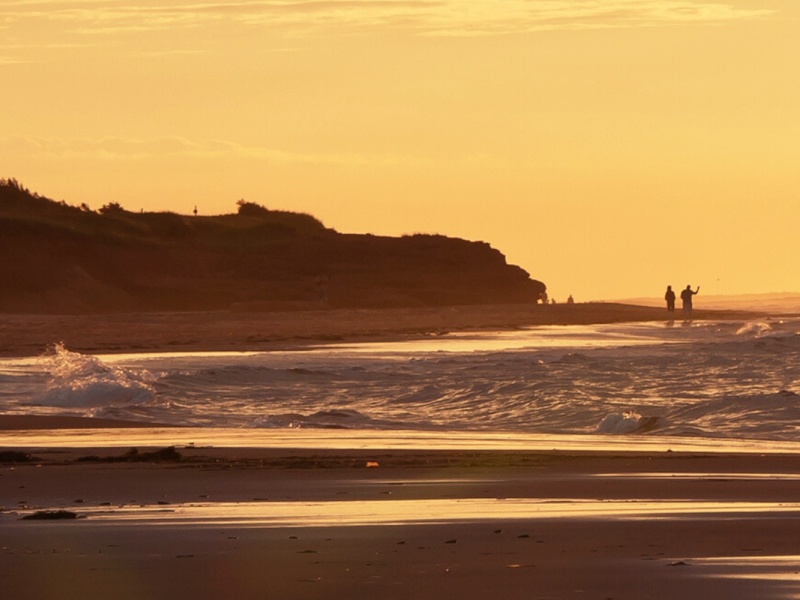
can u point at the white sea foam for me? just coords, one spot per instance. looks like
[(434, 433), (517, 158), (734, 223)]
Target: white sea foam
[(626, 422), (83, 381), (718, 380), (324, 419), (755, 328)]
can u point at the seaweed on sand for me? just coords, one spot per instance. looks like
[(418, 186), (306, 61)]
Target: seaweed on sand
[(41, 515), (168, 454)]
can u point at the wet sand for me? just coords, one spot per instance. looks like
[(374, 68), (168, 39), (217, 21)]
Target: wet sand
[(365, 521), (30, 335), (320, 523)]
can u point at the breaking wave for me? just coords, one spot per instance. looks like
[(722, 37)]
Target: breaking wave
[(323, 419), (725, 379), (626, 422), (755, 328), (82, 381)]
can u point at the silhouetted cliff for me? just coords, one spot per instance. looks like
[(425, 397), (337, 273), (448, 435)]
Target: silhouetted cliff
[(57, 258)]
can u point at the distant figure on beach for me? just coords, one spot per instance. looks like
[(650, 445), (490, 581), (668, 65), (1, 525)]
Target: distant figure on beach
[(686, 297), (195, 210), (321, 284), (670, 298), (570, 300), (544, 297)]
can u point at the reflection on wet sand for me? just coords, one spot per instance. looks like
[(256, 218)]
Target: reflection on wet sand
[(423, 511), (259, 522), (773, 568), (704, 476), (375, 440)]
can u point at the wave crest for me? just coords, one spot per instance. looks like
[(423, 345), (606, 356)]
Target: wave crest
[(339, 418), (84, 381), (755, 328), (626, 422)]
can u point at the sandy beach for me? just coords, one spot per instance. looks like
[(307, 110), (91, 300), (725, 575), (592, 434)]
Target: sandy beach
[(337, 523), (331, 514), (30, 335), (399, 300)]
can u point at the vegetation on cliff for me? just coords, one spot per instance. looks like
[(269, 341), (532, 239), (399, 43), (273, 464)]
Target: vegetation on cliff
[(58, 258)]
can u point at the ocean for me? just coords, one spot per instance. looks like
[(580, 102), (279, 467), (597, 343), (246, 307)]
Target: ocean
[(707, 381)]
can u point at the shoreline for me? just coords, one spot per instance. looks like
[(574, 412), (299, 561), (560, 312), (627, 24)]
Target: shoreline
[(309, 524), (50, 422), (31, 335), (40, 432), (191, 513)]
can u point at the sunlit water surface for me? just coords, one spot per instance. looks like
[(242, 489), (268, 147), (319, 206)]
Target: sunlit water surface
[(425, 511), (710, 380)]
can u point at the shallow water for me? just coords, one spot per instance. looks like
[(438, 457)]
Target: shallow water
[(730, 380), (366, 439), (344, 513)]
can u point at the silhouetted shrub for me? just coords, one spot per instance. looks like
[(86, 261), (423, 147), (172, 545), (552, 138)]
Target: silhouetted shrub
[(111, 208), (296, 221), (251, 209)]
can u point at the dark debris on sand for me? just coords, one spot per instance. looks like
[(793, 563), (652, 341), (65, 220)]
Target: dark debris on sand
[(41, 515), (133, 455), (11, 456)]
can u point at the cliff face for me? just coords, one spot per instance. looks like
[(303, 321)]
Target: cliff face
[(56, 258)]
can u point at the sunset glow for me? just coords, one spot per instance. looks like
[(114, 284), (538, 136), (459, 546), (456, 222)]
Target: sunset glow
[(609, 148)]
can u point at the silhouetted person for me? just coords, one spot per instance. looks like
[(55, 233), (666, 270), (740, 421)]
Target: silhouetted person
[(570, 300), (686, 297), (321, 283), (670, 298), (195, 211)]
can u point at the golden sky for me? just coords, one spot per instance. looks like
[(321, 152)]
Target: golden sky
[(609, 147)]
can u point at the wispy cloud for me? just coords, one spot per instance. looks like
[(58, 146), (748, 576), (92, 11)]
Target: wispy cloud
[(519, 16), (131, 149), (117, 148), (173, 52), (12, 60), (425, 17)]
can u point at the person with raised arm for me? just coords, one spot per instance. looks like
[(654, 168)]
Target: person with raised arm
[(686, 297)]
